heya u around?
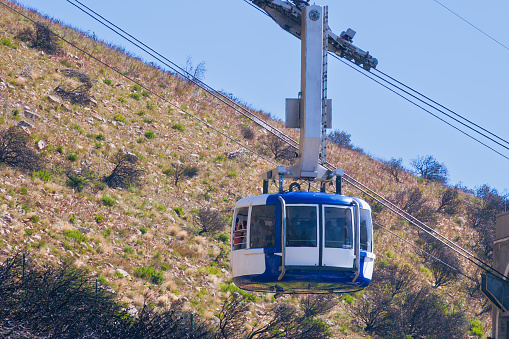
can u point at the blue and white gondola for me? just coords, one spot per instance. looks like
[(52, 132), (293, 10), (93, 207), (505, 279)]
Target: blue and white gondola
[(302, 242)]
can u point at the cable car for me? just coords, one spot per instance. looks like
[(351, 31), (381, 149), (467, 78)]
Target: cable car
[(302, 242)]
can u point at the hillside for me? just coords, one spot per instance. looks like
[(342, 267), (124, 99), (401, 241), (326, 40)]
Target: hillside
[(146, 240)]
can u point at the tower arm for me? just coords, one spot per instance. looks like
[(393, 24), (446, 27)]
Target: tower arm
[(288, 15)]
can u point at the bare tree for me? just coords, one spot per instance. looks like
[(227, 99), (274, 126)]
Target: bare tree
[(340, 138), (394, 167), (210, 220), (449, 201), (180, 171), (15, 150), (270, 143), (481, 214), (427, 167), (126, 172)]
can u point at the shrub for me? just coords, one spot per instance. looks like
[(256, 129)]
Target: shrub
[(108, 82), (340, 138), (272, 144), (99, 218), (210, 220), (178, 127), (72, 157), (76, 236), (108, 201), (15, 150), (143, 230), (119, 117), (247, 132), (428, 168), (150, 274), (179, 211), (78, 179), (220, 158), (181, 171), (136, 88), (476, 328), (34, 219), (135, 96), (126, 172), (5, 41), (100, 137), (150, 135)]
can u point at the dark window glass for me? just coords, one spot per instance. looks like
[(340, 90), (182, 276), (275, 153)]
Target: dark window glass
[(240, 229), (338, 227), (301, 226), (366, 231), (263, 226)]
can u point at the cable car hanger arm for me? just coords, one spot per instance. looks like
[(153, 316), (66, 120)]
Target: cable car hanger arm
[(287, 14)]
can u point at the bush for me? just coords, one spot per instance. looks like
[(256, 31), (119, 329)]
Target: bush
[(210, 220), (150, 274), (43, 175), (119, 117), (108, 82), (180, 171), (76, 235), (108, 201), (15, 150), (72, 157), (126, 172), (428, 168), (5, 41), (340, 138), (178, 127), (272, 144), (135, 96), (150, 135)]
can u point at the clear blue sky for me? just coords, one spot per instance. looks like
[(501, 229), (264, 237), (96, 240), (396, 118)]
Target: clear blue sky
[(417, 42)]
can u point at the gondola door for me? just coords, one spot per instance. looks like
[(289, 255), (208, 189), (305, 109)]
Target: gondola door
[(338, 236), (302, 235)]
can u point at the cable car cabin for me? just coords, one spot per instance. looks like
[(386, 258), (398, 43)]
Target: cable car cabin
[(302, 242)]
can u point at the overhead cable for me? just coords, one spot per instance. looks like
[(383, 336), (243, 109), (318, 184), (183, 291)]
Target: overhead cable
[(471, 24), (419, 106), (186, 75)]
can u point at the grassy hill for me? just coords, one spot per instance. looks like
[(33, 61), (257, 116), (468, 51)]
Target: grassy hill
[(145, 240)]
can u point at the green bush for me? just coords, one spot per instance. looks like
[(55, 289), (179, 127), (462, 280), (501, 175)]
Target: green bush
[(146, 94), (34, 219), (150, 135), (108, 82), (76, 236), (179, 211), (178, 127), (234, 289), (150, 274), (72, 157), (143, 230), (43, 175), (220, 158), (136, 88), (100, 137), (99, 218), (135, 96), (108, 201), (119, 117), (476, 328), (5, 41)]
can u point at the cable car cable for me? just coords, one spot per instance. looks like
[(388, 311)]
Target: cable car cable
[(425, 252), (436, 103), (471, 24), (177, 69), (453, 246), (424, 109)]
